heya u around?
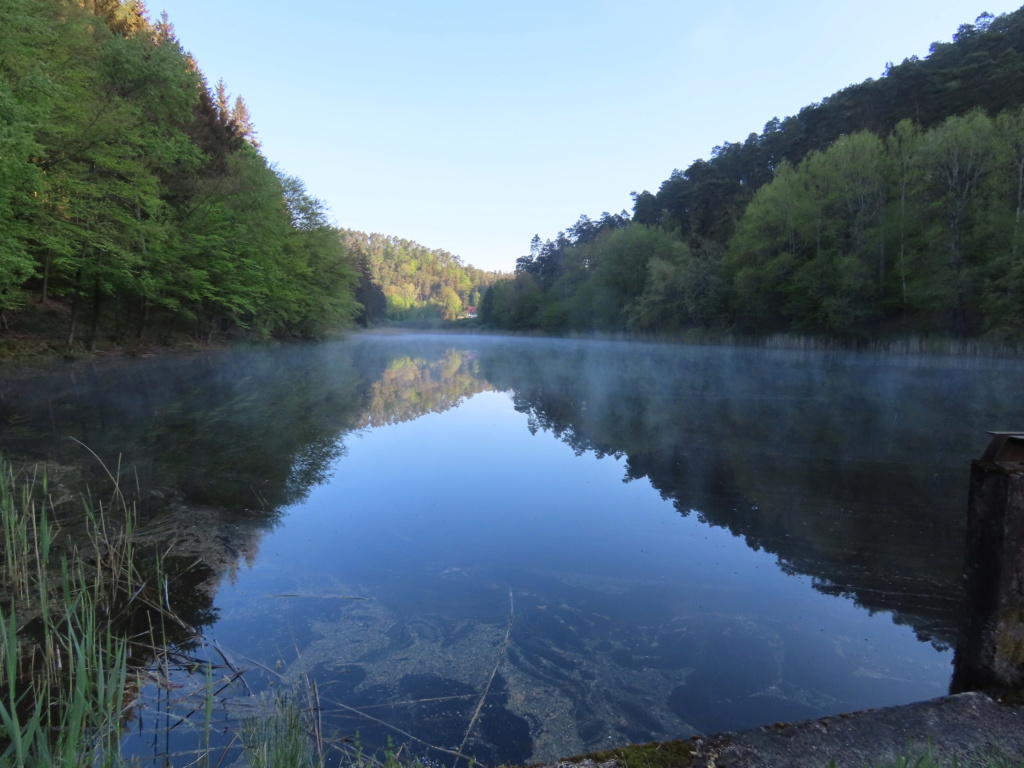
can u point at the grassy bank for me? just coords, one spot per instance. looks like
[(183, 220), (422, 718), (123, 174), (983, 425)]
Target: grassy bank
[(85, 619), (66, 670)]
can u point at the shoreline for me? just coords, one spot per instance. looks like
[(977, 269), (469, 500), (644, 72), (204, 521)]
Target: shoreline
[(965, 729)]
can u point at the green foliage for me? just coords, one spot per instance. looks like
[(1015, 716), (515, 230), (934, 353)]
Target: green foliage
[(514, 303), (846, 220), (809, 251), (685, 288), (958, 158), (617, 267), (636, 277), (418, 284), (23, 106), (277, 738), (922, 227), (1003, 277), (62, 699), (919, 232), (132, 193), (982, 69)]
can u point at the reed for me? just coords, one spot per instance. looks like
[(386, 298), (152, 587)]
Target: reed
[(280, 736), (81, 624), (64, 684), (65, 602)]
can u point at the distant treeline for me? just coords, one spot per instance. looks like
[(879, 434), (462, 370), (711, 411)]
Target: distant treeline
[(406, 281), (893, 206)]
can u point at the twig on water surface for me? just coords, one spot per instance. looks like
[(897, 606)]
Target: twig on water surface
[(223, 656), (225, 683), (497, 663), (406, 734), (326, 597), (264, 667), (318, 722), (259, 497), (428, 700), (232, 667), (224, 752)]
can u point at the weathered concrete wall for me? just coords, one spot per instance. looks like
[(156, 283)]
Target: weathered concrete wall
[(967, 729), (990, 651)]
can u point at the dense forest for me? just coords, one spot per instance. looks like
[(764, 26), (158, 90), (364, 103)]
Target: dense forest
[(133, 195), (891, 207), (136, 204), (406, 281)]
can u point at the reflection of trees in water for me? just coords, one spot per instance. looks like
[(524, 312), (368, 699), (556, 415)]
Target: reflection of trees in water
[(213, 446), (219, 443), (239, 429), (216, 444), (851, 469), (411, 387)]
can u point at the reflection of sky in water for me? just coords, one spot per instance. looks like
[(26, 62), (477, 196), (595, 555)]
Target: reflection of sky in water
[(469, 503), (631, 621)]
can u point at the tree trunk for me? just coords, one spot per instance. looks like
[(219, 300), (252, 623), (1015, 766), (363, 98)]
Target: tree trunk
[(143, 321), (76, 298), (94, 325), (45, 292), (1017, 213)]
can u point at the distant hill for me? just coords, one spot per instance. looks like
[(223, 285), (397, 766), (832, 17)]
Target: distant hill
[(410, 282)]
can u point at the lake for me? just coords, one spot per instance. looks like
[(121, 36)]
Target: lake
[(522, 549)]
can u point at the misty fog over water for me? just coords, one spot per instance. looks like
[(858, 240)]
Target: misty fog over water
[(519, 549)]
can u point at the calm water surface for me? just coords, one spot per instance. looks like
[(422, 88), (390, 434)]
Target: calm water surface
[(520, 549)]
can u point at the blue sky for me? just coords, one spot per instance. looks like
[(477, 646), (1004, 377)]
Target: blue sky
[(471, 126)]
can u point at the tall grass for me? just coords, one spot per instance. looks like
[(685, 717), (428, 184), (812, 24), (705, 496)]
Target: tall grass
[(81, 624), (279, 738), (77, 616), (64, 663)]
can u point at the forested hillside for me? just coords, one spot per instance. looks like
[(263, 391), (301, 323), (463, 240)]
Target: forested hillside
[(410, 282), (893, 206), (136, 197)]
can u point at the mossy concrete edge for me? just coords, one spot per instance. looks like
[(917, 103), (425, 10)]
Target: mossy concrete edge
[(965, 729)]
